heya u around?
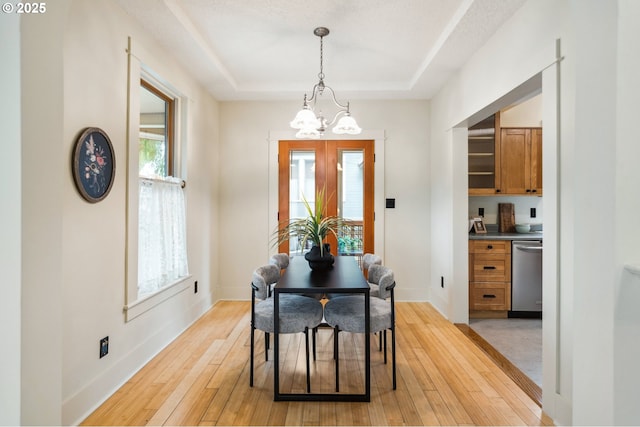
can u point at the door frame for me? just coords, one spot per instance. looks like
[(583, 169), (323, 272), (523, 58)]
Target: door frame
[(378, 137), (326, 159)]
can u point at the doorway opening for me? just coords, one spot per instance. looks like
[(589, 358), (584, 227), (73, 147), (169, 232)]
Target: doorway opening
[(544, 83)]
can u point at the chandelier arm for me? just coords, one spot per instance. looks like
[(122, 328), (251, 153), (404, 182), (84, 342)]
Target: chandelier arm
[(335, 117), (316, 91), (335, 101)]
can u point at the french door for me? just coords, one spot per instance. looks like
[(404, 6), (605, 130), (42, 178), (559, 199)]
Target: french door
[(345, 170)]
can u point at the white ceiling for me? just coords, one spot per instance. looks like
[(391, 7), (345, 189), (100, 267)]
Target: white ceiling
[(266, 49)]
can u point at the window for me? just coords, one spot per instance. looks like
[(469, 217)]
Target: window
[(162, 250), (156, 132)]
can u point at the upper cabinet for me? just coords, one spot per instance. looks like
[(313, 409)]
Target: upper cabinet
[(504, 161), (521, 161), (484, 157)]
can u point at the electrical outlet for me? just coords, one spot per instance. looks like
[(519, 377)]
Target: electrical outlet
[(104, 347), (533, 213), (195, 287), (442, 281)]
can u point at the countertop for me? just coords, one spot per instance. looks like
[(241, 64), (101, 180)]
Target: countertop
[(494, 235)]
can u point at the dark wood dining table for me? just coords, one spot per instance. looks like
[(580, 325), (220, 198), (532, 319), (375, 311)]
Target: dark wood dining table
[(344, 277)]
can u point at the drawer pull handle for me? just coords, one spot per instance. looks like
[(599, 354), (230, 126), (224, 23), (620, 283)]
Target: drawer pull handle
[(489, 247), (488, 296), (489, 267)]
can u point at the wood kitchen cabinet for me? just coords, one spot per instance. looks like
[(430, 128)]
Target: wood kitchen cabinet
[(521, 161), (484, 157), (489, 275)]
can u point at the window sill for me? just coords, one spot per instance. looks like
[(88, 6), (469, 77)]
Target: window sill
[(146, 303)]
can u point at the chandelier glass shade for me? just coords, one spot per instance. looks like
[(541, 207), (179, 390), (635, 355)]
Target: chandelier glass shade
[(312, 124)]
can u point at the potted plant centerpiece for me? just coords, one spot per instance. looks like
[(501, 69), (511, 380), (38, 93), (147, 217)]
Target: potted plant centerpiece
[(314, 228)]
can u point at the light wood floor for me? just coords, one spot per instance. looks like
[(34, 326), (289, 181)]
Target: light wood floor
[(202, 378)]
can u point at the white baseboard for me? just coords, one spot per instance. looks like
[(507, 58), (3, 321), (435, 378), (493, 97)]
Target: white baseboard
[(80, 405)]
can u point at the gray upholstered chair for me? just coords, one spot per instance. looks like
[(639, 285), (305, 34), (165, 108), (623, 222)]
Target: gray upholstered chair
[(297, 313), (347, 314), (367, 261), (281, 260)]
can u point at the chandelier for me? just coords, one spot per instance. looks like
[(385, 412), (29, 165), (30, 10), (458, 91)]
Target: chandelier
[(311, 124)]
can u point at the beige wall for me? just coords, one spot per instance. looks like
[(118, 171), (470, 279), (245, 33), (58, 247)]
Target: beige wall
[(525, 114), (244, 195), (74, 252)]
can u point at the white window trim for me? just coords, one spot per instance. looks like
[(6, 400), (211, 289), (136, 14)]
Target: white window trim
[(134, 306), (149, 301)]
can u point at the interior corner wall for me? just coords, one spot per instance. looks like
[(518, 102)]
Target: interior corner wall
[(10, 223)]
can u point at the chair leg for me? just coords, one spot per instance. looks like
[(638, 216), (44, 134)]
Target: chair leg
[(314, 331), (251, 360), (393, 354), (266, 346), (335, 356), (384, 335), (380, 340), (306, 350)]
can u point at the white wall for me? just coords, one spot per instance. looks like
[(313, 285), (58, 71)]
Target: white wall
[(522, 48), (514, 55), (595, 27), (590, 188), (244, 215), (627, 286), (74, 251), (522, 206), (10, 250)]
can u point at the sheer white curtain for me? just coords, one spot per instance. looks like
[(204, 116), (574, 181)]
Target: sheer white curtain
[(162, 240)]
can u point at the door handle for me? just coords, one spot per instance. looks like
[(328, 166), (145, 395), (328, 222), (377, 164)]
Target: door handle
[(529, 248)]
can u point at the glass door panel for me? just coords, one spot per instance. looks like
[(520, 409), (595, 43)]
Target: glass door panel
[(302, 185), (350, 198)]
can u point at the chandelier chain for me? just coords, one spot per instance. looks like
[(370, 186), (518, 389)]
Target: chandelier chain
[(321, 73)]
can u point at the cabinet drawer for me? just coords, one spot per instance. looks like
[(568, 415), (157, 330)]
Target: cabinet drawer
[(489, 246), (488, 298), (490, 268)]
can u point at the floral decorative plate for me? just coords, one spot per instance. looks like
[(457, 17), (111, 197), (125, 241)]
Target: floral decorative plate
[(94, 164)]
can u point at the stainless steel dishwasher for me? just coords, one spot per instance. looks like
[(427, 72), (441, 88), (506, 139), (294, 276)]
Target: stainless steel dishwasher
[(526, 278)]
